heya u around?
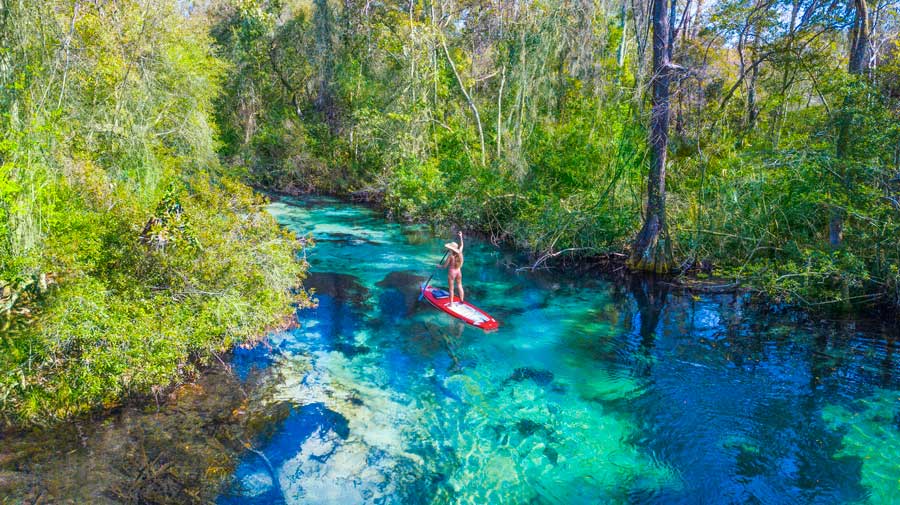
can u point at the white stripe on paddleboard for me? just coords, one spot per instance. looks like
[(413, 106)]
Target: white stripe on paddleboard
[(467, 311)]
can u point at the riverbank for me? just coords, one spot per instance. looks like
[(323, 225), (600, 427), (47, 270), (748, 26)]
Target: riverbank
[(129, 255), (152, 317), (698, 276), (378, 395), (178, 448)]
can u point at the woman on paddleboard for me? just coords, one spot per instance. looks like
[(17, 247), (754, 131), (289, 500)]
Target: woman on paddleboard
[(453, 264)]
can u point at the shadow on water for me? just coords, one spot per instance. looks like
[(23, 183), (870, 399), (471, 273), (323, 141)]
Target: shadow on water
[(650, 296), (399, 296), (343, 287)]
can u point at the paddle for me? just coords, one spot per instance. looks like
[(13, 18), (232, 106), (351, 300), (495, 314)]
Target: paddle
[(422, 294)]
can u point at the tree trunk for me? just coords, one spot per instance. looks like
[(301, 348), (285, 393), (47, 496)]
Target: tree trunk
[(324, 102), (468, 97), (671, 29), (500, 111), (620, 60), (652, 249), (695, 24), (752, 107), (860, 57), (860, 43)]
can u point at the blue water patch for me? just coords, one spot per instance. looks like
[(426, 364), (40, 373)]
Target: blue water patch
[(256, 479), (392, 307), (246, 360), (590, 392), (331, 322)]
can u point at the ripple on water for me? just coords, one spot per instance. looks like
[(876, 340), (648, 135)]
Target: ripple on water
[(590, 392)]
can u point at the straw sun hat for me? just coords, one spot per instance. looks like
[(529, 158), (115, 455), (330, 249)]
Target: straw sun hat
[(453, 246)]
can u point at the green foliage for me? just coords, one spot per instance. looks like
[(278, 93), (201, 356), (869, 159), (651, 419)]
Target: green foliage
[(135, 321), (127, 257), (128, 253), (362, 99), (401, 129)]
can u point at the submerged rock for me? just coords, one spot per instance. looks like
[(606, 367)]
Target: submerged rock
[(557, 387), (393, 306), (551, 454), (539, 376), (339, 286), (527, 427), (400, 295), (256, 484), (401, 280), (350, 350), (444, 390), (182, 452), (346, 238)]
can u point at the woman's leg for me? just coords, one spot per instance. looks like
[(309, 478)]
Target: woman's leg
[(450, 280), (462, 293)]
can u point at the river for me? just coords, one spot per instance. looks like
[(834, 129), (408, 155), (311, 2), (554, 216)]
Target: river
[(591, 391)]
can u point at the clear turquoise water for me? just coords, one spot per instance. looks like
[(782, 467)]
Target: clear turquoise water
[(590, 392)]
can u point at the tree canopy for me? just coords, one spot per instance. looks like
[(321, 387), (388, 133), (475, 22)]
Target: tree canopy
[(532, 122), (756, 141), (128, 254)]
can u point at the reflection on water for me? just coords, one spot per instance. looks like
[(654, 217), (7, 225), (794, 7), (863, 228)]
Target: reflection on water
[(591, 392)]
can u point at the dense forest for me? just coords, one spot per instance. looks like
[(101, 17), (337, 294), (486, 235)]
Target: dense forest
[(128, 254), (755, 141), (758, 140)]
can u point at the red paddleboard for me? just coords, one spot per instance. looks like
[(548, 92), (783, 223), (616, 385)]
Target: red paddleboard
[(460, 310)]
